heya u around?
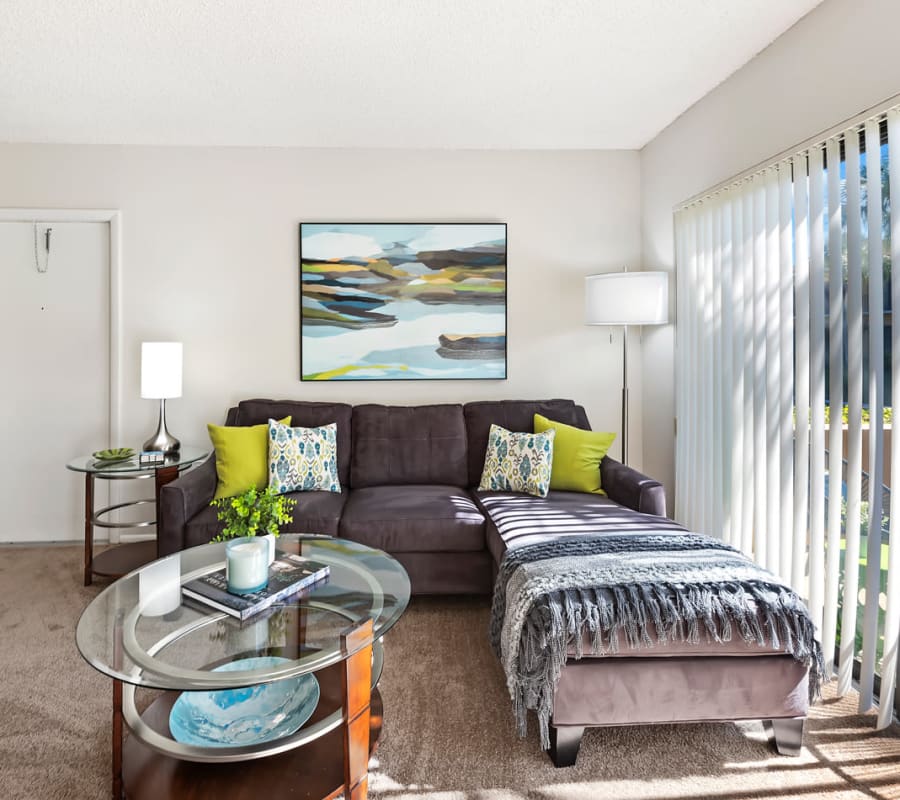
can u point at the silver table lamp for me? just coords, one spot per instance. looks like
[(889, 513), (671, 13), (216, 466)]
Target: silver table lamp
[(161, 364), (626, 298)]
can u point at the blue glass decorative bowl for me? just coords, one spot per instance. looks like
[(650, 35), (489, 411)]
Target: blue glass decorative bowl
[(236, 717)]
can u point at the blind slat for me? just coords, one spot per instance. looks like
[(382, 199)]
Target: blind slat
[(876, 418), (749, 482), (730, 486), (738, 484), (816, 387), (801, 376), (715, 372), (836, 400), (854, 403), (786, 407), (760, 412), (773, 373), (892, 604)]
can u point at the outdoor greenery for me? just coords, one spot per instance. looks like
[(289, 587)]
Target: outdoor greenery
[(863, 561), (253, 513), (845, 415)]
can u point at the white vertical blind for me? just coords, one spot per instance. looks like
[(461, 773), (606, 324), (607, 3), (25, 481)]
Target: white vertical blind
[(892, 601), (781, 303), (816, 386), (786, 402), (836, 394), (876, 410), (760, 318), (749, 351), (854, 403), (773, 371), (801, 374)]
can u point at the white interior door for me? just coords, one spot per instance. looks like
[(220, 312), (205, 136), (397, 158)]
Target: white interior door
[(54, 406)]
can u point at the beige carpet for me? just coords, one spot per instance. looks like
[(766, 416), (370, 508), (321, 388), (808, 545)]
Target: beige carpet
[(448, 730)]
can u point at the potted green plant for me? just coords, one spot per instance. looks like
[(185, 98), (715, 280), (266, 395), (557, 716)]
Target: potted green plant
[(253, 513)]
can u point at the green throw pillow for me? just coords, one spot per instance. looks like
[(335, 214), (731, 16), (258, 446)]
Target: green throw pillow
[(242, 458), (576, 456)]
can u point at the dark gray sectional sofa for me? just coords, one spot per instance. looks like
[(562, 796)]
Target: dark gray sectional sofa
[(410, 478)]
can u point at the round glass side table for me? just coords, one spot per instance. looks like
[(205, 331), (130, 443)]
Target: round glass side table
[(121, 559)]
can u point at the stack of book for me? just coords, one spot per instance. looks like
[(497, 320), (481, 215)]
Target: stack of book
[(288, 574)]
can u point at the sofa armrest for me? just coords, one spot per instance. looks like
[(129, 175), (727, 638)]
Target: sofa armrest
[(628, 487), (180, 500)]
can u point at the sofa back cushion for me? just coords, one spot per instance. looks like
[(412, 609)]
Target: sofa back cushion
[(303, 415), (408, 445), (514, 415)]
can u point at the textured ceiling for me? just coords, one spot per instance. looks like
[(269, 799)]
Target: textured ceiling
[(380, 73)]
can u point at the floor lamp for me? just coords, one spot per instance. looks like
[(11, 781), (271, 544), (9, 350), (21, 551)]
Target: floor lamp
[(626, 298)]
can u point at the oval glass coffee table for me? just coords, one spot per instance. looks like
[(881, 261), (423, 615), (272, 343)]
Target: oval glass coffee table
[(142, 632)]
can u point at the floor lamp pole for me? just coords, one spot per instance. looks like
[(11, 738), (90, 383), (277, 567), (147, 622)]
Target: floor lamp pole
[(624, 394)]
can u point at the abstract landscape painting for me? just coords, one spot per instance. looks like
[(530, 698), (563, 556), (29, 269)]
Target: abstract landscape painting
[(402, 302)]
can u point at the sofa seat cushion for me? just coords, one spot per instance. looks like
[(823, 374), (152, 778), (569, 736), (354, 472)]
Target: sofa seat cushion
[(315, 512), (517, 519), (413, 519)]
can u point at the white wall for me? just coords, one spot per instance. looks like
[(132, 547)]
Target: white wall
[(837, 61), (210, 247)]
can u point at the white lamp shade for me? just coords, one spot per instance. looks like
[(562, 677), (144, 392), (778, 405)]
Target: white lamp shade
[(161, 370), (626, 298)]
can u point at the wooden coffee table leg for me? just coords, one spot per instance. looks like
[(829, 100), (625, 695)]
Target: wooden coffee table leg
[(356, 686), (88, 528)]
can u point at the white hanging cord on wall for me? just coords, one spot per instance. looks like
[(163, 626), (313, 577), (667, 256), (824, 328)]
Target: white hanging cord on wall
[(37, 260)]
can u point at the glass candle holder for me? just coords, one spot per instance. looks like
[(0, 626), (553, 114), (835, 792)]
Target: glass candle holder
[(246, 564)]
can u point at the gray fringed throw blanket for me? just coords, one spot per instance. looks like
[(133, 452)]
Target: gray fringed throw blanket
[(548, 595)]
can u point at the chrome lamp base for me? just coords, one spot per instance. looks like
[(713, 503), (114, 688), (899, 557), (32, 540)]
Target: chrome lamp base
[(162, 440)]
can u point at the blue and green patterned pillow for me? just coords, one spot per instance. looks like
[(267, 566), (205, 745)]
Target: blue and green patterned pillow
[(518, 462), (303, 459)]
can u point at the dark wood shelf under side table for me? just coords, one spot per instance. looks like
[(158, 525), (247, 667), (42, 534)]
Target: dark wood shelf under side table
[(121, 559)]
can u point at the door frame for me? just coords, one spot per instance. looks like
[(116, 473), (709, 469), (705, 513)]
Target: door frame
[(114, 218)]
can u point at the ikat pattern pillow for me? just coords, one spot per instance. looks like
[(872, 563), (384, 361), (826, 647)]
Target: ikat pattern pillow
[(518, 462), (303, 459)]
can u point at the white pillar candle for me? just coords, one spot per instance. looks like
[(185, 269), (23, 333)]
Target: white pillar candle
[(246, 564), (159, 586)]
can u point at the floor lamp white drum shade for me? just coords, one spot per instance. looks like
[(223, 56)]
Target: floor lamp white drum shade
[(161, 369), (626, 298)]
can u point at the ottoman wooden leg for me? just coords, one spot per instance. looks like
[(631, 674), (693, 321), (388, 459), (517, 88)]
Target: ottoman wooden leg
[(788, 734), (565, 741)]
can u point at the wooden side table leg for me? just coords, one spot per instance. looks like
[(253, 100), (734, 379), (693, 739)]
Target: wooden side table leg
[(163, 476), (88, 528), (356, 685)]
